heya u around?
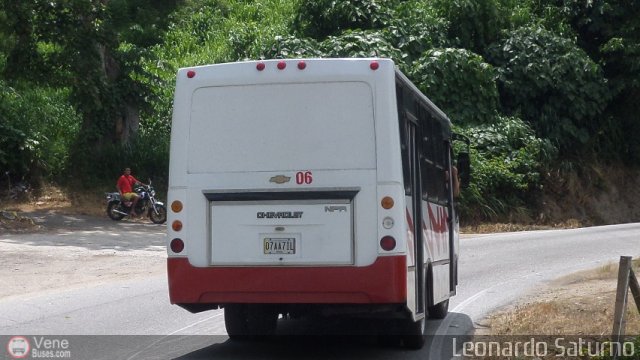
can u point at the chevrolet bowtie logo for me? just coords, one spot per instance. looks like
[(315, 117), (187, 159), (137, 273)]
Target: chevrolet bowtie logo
[(280, 179)]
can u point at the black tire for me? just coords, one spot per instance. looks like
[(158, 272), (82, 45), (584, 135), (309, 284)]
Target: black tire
[(236, 322), (415, 334), (439, 310), (262, 319), (244, 321), (160, 217), (111, 213), (390, 333)]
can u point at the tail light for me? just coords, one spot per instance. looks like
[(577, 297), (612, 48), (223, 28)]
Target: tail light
[(177, 245), (388, 243)]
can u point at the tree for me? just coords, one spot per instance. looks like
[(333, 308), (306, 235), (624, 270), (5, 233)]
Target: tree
[(474, 24), (94, 47), (609, 31), (460, 82), (552, 84), (321, 18)]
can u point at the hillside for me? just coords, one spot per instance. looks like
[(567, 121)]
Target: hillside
[(544, 89)]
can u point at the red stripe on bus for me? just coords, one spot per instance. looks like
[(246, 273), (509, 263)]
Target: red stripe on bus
[(385, 281)]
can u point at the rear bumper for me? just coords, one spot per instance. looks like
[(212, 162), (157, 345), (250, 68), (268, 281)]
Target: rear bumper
[(384, 281)]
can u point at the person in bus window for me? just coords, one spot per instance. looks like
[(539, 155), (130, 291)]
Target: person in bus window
[(455, 181)]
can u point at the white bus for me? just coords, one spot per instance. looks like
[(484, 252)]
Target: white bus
[(311, 186)]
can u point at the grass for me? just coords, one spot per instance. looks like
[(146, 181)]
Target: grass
[(487, 228), (578, 305)]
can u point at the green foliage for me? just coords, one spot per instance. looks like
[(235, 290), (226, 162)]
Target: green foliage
[(215, 31), (474, 23), (541, 13), (36, 131), (15, 156), (459, 82), (293, 47), (507, 161), (93, 48), (609, 31), (321, 18), (570, 69), (553, 84), (416, 28), (147, 155), (357, 43), (351, 43)]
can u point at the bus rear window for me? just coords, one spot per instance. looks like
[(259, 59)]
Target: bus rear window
[(277, 127)]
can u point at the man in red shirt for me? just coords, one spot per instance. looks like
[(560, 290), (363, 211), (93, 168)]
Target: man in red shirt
[(125, 186)]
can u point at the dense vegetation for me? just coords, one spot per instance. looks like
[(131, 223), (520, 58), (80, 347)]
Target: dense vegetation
[(538, 85)]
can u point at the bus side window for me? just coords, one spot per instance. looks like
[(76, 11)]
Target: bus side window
[(404, 140), (433, 176), (404, 145), (439, 162)]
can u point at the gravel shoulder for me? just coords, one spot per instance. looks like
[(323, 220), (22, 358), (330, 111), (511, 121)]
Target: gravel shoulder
[(72, 251)]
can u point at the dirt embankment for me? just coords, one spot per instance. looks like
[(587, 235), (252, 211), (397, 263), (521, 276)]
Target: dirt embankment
[(578, 304), (595, 195), (598, 195)]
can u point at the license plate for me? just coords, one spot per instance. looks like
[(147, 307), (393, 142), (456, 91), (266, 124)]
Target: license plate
[(279, 246)]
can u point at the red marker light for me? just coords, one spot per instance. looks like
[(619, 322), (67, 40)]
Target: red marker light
[(388, 243), (260, 66), (282, 65), (191, 74), (302, 65), (177, 245), (374, 65)]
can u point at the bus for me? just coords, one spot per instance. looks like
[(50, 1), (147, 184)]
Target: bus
[(311, 186)]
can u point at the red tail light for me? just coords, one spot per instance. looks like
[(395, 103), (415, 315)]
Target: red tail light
[(177, 245), (388, 243)]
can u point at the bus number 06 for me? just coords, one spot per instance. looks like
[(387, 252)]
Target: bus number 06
[(304, 177)]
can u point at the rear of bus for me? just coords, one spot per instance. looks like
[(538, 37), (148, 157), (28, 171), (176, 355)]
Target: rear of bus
[(286, 187)]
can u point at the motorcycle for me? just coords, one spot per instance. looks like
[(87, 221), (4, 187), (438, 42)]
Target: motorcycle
[(117, 208)]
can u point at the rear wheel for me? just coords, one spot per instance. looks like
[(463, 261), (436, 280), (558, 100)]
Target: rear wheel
[(235, 321), (439, 310), (244, 321), (112, 213), (415, 334)]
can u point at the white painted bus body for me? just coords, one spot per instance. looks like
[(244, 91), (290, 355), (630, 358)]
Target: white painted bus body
[(282, 169)]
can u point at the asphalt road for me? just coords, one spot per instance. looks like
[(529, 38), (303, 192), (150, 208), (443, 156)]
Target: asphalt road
[(495, 270)]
